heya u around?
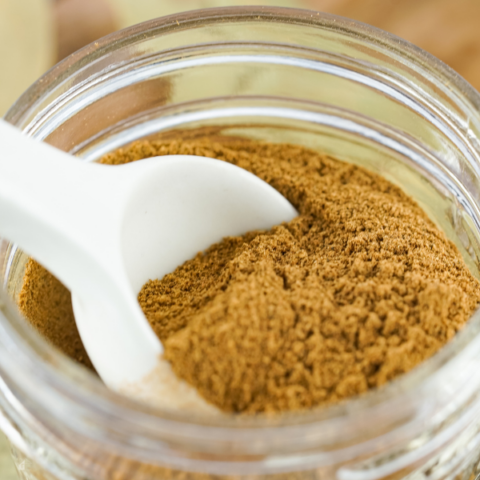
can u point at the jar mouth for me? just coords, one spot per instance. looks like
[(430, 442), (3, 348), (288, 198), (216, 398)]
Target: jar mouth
[(25, 352)]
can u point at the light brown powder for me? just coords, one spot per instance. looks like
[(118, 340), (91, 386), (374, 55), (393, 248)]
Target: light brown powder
[(357, 290), (47, 304)]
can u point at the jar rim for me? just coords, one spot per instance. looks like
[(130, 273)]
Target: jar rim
[(80, 386), (191, 18)]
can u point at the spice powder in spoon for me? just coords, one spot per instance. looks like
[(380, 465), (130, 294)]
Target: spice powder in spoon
[(359, 288)]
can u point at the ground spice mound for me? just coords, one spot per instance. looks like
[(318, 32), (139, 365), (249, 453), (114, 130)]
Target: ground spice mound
[(357, 290), (47, 304)]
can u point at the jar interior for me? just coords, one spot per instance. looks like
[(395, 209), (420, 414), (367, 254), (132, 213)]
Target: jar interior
[(345, 98)]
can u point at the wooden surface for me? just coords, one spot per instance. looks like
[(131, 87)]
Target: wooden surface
[(449, 29), (27, 46)]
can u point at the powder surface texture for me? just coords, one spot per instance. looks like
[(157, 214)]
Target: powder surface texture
[(357, 290), (47, 304)]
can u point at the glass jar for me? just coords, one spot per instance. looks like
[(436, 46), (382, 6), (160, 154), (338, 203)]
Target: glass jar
[(276, 75)]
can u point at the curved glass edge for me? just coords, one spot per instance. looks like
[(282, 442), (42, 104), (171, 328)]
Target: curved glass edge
[(96, 398)]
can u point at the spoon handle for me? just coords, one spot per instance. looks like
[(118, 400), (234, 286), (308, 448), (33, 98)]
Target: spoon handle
[(52, 205), (67, 215)]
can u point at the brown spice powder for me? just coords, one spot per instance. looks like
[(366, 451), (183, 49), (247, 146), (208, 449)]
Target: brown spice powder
[(360, 288), (47, 304), (357, 290)]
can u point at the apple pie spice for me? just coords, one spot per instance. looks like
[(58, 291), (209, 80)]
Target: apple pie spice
[(358, 289)]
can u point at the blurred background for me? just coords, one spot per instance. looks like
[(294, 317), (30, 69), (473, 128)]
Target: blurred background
[(36, 34)]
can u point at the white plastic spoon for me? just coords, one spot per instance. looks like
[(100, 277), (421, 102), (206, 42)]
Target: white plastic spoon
[(104, 231)]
